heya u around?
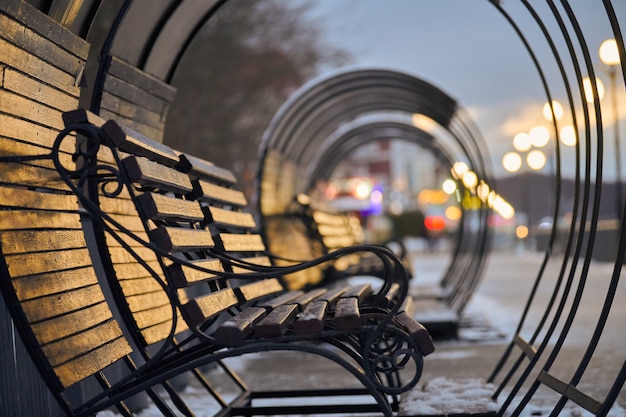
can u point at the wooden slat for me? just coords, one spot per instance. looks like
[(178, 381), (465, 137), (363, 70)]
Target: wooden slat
[(38, 285), (160, 332), (35, 67), (183, 276), (360, 292), (255, 261), (276, 323), (309, 296), (147, 301), (44, 26), (152, 174), (242, 243), (135, 143), (62, 303), (68, 348), (347, 315), (62, 326), (201, 169), (209, 192), (133, 94), (122, 256), (76, 370), (19, 219), (39, 92), (418, 332), (10, 147), (80, 116), (202, 308), (261, 288), (41, 240), (34, 177), (332, 295), (160, 207), (132, 110), (134, 271), (41, 262), (143, 80), (136, 127), (155, 316), (285, 298), (228, 218), (132, 223), (337, 242), (234, 330), (173, 239), (12, 127), (138, 286), (311, 321), (26, 109)]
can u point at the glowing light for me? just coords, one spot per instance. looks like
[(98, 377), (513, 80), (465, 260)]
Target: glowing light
[(608, 52), (556, 106), (376, 197), (363, 190), (449, 186), (588, 89), (482, 191), (522, 142), (432, 197), (453, 213), (424, 122), (436, 223), (458, 169), (521, 232), (536, 159), (470, 180), (539, 136), (502, 207), (568, 135), (512, 161)]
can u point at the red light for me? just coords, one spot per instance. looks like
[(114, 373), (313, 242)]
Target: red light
[(434, 223)]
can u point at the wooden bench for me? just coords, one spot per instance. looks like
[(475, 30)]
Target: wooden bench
[(330, 230), (204, 223), (69, 238)]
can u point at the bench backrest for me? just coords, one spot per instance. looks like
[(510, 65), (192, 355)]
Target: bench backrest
[(47, 276), (331, 230), (186, 215), (140, 293)]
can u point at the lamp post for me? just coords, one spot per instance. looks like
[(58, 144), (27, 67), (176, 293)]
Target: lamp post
[(609, 55), (525, 144)]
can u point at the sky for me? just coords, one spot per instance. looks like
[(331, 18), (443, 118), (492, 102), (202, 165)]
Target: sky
[(470, 51)]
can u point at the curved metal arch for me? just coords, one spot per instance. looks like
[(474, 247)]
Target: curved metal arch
[(327, 118), (329, 155), (325, 102)]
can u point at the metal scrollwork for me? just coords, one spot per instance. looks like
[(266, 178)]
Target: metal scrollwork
[(389, 353)]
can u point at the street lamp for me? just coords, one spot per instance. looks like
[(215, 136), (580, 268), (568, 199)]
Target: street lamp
[(609, 55)]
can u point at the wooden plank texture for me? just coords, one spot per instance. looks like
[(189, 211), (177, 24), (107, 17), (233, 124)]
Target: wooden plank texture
[(160, 207), (209, 192), (35, 67), (33, 19), (133, 142), (151, 174)]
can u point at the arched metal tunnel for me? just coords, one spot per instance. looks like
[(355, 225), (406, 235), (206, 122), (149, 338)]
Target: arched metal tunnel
[(123, 55)]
